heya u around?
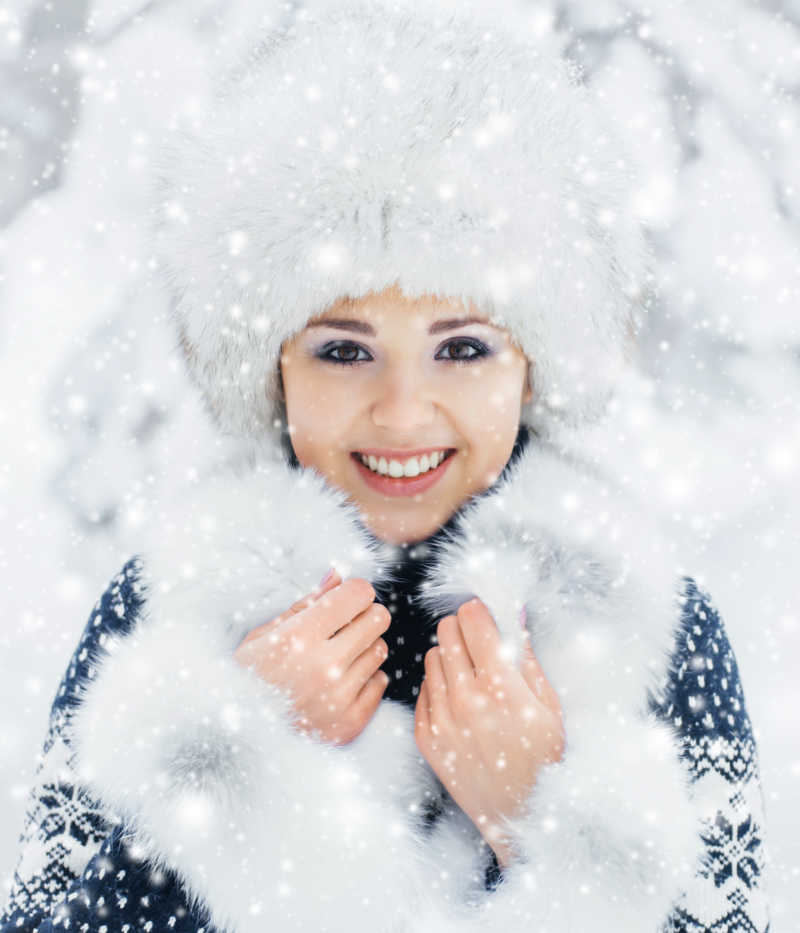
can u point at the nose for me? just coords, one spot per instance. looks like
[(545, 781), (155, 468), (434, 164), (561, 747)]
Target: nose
[(403, 401)]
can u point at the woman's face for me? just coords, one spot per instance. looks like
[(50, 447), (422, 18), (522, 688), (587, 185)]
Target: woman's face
[(404, 383)]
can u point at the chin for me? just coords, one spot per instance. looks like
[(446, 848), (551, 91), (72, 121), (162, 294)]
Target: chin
[(394, 533)]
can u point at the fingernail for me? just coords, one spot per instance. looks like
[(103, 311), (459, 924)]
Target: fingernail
[(327, 578), (523, 617)]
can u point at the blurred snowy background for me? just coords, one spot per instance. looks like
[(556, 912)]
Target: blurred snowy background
[(98, 420)]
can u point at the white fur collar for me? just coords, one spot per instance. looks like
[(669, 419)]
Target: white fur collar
[(266, 826)]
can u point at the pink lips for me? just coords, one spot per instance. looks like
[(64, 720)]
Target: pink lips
[(402, 485)]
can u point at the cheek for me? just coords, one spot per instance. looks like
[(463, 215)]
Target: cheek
[(490, 407), (318, 411), (493, 397)]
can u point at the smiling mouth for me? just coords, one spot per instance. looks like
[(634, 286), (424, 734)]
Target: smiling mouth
[(431, 466), (406, 467)]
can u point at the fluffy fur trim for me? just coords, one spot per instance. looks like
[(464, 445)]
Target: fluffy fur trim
[(201, 759), (608, 836), (377, 144), (597, 848), (260, 823), (199, 756)]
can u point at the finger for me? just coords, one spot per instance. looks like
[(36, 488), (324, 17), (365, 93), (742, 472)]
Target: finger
[(456, 661), (359, 634), (332, 580), (480, 636), (422, 717), (339, 606), (359, 672), (535, 678), (370, 695), (437, 686)]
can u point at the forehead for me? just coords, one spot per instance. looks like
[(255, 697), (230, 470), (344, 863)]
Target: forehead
[(392, 304)]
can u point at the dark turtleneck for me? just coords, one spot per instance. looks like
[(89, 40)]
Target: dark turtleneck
[(413, 631)]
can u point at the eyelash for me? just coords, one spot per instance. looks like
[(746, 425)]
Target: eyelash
[(481, 348)]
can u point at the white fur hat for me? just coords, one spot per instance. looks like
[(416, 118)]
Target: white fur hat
[(372, 143)]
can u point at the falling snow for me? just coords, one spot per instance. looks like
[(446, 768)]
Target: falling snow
[(102, 425)]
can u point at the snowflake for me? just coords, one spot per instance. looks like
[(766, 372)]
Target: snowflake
[(732, 848)]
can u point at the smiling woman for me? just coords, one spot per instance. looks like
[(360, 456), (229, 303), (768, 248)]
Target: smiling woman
[(420, 663), (412, 418)]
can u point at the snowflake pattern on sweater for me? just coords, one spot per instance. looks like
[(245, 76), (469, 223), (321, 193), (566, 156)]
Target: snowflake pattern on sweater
[(76, 872), (705, 703)]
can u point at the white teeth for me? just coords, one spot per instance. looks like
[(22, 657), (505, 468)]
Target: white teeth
[(414, 466)]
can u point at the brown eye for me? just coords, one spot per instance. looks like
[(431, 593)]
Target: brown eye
[(343, 352), (463, 350), (347, 353), (457, 350)]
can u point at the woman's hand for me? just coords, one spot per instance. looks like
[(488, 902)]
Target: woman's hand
[(325, 652), (485, 726)]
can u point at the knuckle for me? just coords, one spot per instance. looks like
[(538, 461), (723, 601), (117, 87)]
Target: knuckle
[(345, 734), (362, 589), (381, 615), (382, 648)]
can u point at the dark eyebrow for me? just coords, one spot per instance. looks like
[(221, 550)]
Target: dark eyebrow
[(361, 327)]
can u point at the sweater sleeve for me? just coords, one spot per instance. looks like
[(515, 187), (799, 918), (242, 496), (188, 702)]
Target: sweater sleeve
[(72, 860), (704, 701)]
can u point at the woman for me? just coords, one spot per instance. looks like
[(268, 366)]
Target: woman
[(403, 273)]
